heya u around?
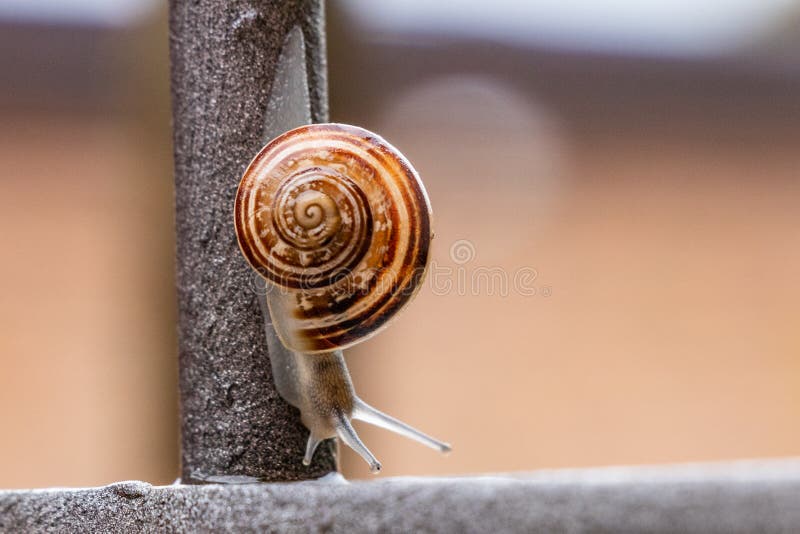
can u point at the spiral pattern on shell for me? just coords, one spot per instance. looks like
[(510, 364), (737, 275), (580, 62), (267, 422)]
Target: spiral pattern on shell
[(337, 219)]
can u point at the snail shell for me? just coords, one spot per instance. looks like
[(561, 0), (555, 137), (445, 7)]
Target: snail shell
[(338, 221)]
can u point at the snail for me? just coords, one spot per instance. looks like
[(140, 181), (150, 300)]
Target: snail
[(338, 224)]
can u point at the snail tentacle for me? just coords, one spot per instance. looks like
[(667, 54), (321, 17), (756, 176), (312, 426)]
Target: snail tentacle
[(348, 434), (368, 414), (311, 447)]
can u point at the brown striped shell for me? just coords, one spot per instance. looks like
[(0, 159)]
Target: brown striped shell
[(340, 224)]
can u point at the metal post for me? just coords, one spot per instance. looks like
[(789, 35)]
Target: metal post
[(225, 56)]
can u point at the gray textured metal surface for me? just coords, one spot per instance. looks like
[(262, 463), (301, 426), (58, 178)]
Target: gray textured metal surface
[(224, 56), (733, 497)]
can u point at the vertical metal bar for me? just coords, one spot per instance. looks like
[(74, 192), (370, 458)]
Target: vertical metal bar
[(225, 57)]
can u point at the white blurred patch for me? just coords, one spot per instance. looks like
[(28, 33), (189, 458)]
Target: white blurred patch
[(484, 150), (84, 12), (661, 27)]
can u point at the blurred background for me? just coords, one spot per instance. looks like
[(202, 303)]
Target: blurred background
[(630, 168)]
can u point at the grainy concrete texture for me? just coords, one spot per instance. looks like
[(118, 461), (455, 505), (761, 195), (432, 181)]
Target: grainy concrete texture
[(731, 497), (224, 56)]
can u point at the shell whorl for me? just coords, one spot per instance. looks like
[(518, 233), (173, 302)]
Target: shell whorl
[(339, 221)]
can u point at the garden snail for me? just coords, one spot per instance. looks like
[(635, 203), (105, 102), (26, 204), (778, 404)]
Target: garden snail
[(339, 224)]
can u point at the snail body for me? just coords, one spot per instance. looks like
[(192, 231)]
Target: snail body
[(339, 225)]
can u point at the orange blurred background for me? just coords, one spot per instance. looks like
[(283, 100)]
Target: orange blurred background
[(649, 198)]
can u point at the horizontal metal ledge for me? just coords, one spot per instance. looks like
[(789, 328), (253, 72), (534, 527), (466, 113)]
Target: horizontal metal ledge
[(745, 496)]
